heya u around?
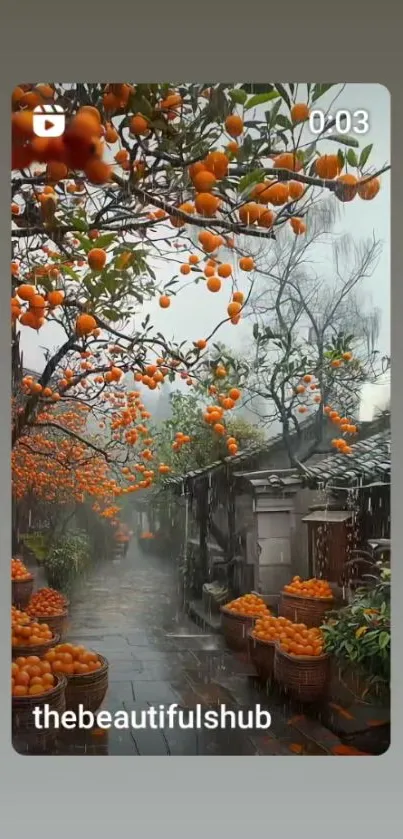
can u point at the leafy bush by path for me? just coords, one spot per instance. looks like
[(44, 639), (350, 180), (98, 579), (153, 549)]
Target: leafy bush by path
[(68, 561), (360, 636)]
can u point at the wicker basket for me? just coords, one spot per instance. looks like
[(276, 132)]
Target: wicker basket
[(305, 678), (35, 649), (57, 623), (21, 591), (262, 655), (87, 689), (236, 628), (308, 610), (26, 737)]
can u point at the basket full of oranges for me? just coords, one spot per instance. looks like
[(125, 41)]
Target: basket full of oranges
[(34, 685), (238, 618), (49, 606), (306, 601), (30, 638), (86, 674), (301, 667), (22, 583), (262, 640)]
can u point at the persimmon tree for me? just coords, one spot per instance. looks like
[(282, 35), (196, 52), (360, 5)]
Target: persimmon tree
[(314, 337), (194, 446), (190, 178)]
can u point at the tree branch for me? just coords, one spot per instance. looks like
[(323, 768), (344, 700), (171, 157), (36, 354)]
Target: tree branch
[(74, 435)]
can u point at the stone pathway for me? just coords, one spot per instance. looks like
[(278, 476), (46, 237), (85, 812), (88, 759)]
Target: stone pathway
[(129, 612)]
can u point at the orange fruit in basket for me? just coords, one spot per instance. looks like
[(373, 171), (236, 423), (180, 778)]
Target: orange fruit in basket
[(22, 678), (80, 667), (66, 658), (47, 602), (19, 690), (50, 656), (35, 680), (249, 605), (18, 617), (72, 660), (29, 679), (299, 640), (19, 572), (35, 690), (309, 588), (65, 648), (272, 629), (30, 635), (33, 670)]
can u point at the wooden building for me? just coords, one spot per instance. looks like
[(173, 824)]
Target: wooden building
[(250, 523)]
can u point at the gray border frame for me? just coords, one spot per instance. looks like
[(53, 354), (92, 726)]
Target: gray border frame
[(219, 41)]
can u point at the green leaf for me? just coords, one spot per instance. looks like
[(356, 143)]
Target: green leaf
[(112, 315), (260, 99), (46, 283), (319, 90), (283, 93), (106, 240), (284, 122), (79, 223), (384, 640), (218, 107), (137, 295), (340, 155), (237, 95), (253, 87), (140, 105), (344, 140), (365, 155), (308, 153), (273, 113), (251, 178), (65, 269), (159, 124), (247, 146), (85, 243), (351, 158)]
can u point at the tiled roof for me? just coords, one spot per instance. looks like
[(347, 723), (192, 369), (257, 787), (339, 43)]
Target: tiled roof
[(235, 461), (368, 462)]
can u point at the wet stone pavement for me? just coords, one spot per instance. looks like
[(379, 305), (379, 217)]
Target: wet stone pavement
[(128, 611)]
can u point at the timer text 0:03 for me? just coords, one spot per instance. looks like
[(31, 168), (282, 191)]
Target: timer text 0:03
[(342, 122)]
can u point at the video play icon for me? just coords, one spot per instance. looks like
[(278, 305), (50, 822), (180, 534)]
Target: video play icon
[(49, 121)]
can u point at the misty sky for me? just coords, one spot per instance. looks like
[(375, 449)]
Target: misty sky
[(195, 312)]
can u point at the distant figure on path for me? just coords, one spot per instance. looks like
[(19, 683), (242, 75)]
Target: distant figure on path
[(123, 537)]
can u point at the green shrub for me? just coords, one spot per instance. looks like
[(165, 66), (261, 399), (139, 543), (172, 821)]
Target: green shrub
[(68, 560), (359, 635), (38, 543)]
